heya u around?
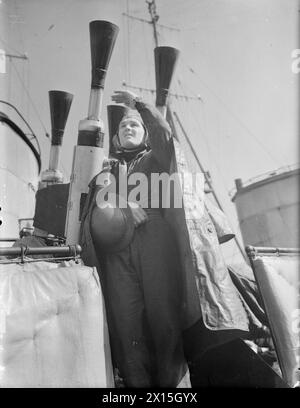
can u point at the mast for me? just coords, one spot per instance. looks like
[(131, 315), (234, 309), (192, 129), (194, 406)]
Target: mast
[(154, 18)]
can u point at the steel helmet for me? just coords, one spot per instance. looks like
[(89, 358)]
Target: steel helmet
[(112, 227)]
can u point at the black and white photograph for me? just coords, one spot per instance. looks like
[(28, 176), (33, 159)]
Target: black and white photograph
[(149, 197)]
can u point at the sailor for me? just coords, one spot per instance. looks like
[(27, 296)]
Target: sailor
[(140, 269), (164, 277)]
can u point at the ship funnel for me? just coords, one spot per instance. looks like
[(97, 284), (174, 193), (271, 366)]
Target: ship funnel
[(165, 61), (114, 115)]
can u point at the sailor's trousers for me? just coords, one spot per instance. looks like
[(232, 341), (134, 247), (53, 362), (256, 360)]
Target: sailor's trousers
[(143, 304)]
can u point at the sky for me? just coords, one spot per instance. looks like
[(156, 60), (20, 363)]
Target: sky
[(235, 54)]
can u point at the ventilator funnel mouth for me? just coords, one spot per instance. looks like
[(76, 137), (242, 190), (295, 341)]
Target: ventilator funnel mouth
[(165, 61), (60, 104), (103, 35)]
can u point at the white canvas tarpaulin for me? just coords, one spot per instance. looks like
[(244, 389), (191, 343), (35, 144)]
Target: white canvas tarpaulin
[(53, 331), (278, 281)]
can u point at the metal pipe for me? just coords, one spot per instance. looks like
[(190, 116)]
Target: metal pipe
[(70, 250), (252, 251), (95, 103), (54, 157), (89, 152), (8, 239)]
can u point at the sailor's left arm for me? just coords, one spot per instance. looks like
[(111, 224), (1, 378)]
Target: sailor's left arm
[(160, 135)]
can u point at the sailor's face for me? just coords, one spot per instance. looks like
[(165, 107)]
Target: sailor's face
[(131, 133)]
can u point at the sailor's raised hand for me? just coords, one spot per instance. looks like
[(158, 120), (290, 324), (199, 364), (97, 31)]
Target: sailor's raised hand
[(127, 97)]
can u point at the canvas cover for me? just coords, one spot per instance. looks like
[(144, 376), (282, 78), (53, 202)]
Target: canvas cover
[(278, 281), (53, 331)]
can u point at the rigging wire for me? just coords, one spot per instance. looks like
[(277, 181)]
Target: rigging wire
[(125, 53), (147, 53), (194, 117), (128, 44), (190, 91), (207, 179), (235, 221), (18, 176), (28, 87), (199, 129), (176, 9), (20, 40), (218, 132), (241, 123), (187, 118), (154, 18), (18, 54), (31, 101), (24, 120), (196, 127), (19, 25)]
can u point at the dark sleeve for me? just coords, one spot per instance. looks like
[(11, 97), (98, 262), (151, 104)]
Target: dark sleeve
[(160, 135)]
